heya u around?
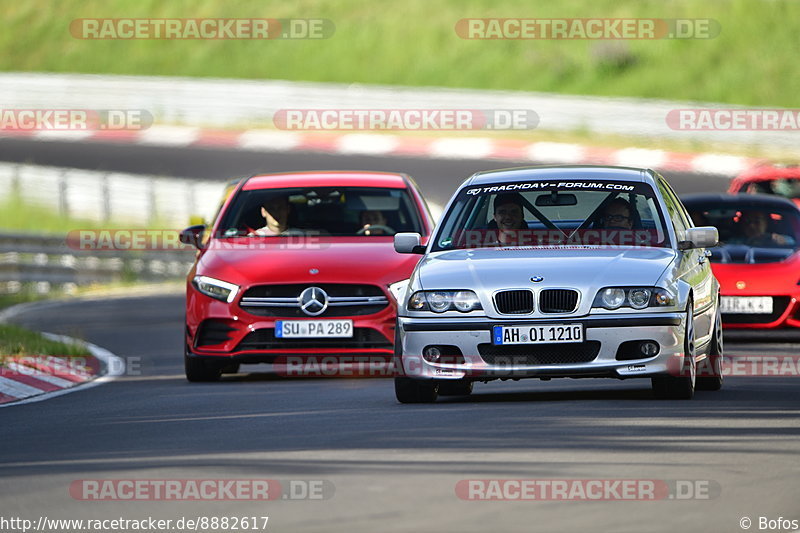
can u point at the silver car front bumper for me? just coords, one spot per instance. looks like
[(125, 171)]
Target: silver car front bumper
[(475, 335)]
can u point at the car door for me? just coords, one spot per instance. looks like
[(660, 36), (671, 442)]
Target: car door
[(695, 268)]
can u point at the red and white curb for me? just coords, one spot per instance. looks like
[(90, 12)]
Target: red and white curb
[(372, 144), (34, 379)]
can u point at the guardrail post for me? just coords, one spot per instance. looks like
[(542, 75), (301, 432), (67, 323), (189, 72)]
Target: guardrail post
[(16, 183), (151, 201), (63, 203), (106, 194)]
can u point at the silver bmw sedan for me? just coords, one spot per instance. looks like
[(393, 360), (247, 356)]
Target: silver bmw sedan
[(562, 271)]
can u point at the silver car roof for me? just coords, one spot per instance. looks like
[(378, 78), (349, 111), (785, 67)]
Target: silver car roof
[(562, 172)]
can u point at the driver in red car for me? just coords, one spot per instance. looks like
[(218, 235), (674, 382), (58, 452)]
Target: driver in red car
[(754, 231), (373, 223)]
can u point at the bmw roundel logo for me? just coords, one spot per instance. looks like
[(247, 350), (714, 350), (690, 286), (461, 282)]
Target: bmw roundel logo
[(537, 279)]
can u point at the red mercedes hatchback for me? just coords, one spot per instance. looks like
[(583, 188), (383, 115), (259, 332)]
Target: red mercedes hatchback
[(300, 264)]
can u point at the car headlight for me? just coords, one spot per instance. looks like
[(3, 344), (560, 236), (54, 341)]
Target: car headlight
[(398, 289), (612, 298), (466, 301), (639, 298), (215, 288), (633, 297), (441, 301)]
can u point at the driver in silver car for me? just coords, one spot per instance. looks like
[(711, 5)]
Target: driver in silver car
[(508, 217)]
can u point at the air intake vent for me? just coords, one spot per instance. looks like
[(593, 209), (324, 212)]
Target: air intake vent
[(558, 300), (518, 302)]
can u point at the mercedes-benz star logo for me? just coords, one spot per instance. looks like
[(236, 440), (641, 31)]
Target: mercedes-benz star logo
[(313, 301)]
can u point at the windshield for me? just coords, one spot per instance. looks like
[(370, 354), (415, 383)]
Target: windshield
[(749, 233), (336, 211), (541, 213), (786, 187)]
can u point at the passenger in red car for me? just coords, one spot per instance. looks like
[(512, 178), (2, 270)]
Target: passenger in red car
[(276, 214)]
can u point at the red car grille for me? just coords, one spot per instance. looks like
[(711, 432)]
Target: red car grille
[(343, 300)]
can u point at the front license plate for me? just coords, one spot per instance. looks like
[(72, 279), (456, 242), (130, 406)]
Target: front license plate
[(746, 305), (538, 334), (304, 329)]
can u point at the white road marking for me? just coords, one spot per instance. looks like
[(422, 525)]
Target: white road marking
[(640, 157), (169, 135), (557, 152), (16, 389), (38, 374), (366, 143), (270, 140), (455, 148)]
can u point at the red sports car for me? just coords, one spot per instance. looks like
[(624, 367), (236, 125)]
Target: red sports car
[(300, 264), (768, 179), (757, 261)]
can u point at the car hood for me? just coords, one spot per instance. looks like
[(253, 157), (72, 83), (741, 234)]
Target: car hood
[(584, 268), (331, 260), (754, 279)]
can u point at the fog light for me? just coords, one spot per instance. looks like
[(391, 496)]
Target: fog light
[(649, 348), (432, 354)]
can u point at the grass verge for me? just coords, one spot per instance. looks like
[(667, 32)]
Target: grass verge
[(18, 342), (414, 42)]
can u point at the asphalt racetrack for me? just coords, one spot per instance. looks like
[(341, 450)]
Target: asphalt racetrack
[(347, 455)]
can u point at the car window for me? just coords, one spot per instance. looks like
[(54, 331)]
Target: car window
[(558, 212), (785, 187), (680, 220), (760, 226)]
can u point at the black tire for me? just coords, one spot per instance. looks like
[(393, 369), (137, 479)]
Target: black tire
[(409, 390), (455, 387), (681, 386), (201, 371), (715, 359)]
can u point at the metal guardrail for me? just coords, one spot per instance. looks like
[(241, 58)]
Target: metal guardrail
[(48, 264), (103, 196), (233, 103)]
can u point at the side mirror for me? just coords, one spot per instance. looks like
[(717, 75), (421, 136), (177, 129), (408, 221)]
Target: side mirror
[(193, 235), (408, 243), (702, 237)]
